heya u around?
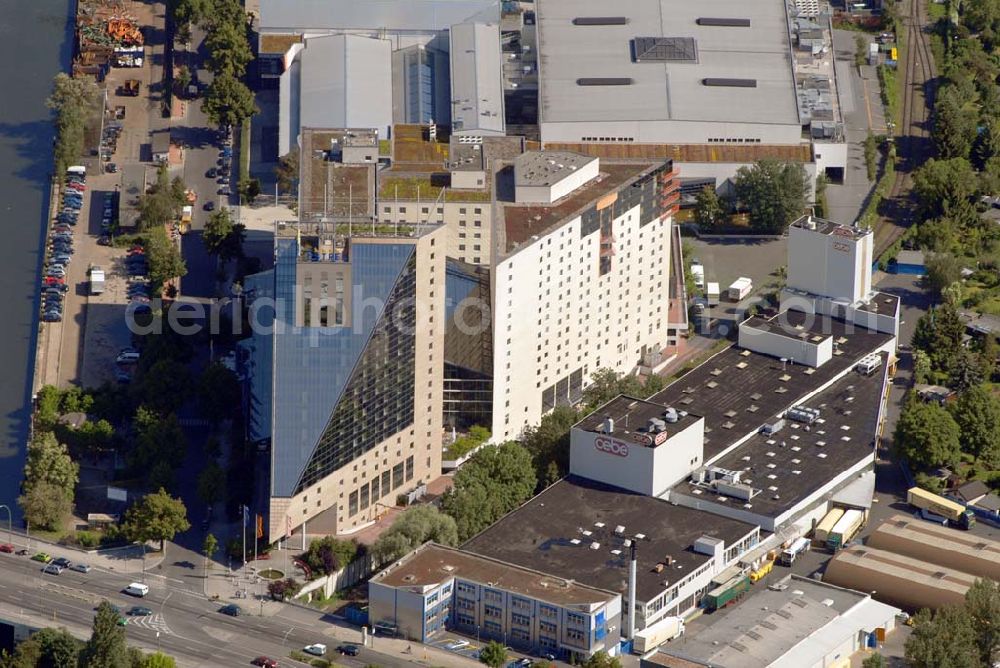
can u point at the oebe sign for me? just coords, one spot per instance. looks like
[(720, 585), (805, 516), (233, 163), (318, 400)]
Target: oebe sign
[(611, 446)]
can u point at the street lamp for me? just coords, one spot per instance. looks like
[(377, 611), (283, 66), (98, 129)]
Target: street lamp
[(10, 524)]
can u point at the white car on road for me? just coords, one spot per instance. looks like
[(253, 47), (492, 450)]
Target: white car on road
[(317, 649)]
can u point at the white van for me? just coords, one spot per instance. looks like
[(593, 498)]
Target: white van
[(77, 169), (137, 589)]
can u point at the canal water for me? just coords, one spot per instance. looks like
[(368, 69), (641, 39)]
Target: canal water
[(36, 39)]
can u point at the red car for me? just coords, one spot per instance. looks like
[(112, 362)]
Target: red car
[(79, 187), (54, 280), (265, 662), (7, 547)]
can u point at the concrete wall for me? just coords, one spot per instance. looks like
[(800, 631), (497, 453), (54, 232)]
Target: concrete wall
[(555, 314)]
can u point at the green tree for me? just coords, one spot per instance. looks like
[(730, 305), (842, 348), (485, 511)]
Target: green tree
[(329, 555), (164, 258), (927, 434), (279, 590), (982, 603), (941, 185), (965, 371), (157, 439), (106, 647), (229, 51), (773, 193), (54, 648), (212, 484), (218, 392), (74, 102), (217, 229), (228, 101), (606, 384), (708, 209), (188, 12), (159, 660), (495, 480), (943, 270), (548, 443), (414, 527), (494, 655), (49, 461), (939, 334), (871, 156), (208, 548), (45, 506), (93, 436), (875, 660), (182, 79), (944, 639), (602, 660), (249, 190), (954, 128), (157, 516), (165, 386), (287, 171), (47, 407), (860, 50)]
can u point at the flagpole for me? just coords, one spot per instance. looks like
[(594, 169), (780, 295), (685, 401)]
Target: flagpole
[(245, 511)]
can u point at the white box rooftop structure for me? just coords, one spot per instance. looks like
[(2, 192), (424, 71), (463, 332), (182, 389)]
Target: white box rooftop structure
[(666, 71), (476, 79), (547, 176)]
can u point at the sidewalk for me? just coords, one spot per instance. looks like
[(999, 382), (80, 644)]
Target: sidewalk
[(127, 559)]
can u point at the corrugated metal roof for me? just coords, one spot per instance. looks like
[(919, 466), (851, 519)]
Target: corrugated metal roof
[(476, 78), (404, 15)]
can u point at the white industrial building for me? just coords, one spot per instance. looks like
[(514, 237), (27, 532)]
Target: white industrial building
[(830, 273), (476, 80)]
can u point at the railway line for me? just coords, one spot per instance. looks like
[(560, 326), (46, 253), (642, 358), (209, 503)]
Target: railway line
[(913, 142)]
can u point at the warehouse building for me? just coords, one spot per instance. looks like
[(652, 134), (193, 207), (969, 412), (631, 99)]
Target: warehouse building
[(936, 544), (897, 579), (807, 623), (437, 588), (584, 531)]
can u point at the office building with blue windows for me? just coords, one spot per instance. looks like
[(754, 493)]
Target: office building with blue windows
[(436, 588), (344, 367)]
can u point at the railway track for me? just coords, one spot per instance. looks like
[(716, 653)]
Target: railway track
[(913, 143)]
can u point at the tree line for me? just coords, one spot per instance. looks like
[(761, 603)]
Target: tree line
[(772, 193)]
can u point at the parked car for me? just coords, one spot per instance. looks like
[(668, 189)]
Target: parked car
[(264, 662), (51, 317), (316, 649), (104, 240), (80, 568), (211, 173), (232, 610), (209, 205), (52, 569), (62, 562), (111, 168)]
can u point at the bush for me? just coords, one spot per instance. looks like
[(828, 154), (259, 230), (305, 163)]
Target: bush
[(328, 555), (466, 443), (282, 589), (88, 539), (930, 483)]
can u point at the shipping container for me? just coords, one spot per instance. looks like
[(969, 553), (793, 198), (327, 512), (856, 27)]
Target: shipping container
[(826, 525), (726, 593), (845, 529), (655, 635)]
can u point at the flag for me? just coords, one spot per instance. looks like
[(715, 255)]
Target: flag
[(246, 516), (260, 526)]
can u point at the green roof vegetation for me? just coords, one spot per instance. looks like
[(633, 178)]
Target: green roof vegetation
[(463, 445), (408, 188)]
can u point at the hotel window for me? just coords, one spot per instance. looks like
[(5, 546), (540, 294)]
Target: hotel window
[(352, 503), (386, 486), (364, 497), (375, 490), (409, 468), (397, 476)]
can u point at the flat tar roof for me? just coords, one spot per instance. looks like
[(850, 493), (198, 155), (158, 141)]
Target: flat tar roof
[(539, 536), (545, 168), (658, 90), (789, 465), (828, 227), (638, 414), (432, 564), (737, 390), (882, 303), (330, 190)]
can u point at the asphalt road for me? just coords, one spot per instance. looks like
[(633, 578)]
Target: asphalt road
[(186, 626)]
